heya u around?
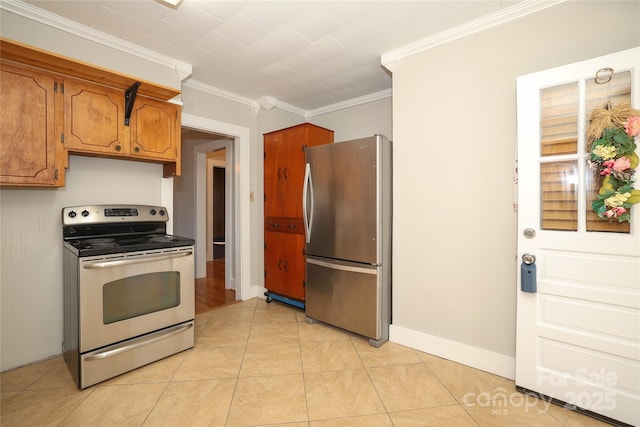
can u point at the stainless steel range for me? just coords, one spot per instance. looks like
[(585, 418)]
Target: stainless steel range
[(128, 290)]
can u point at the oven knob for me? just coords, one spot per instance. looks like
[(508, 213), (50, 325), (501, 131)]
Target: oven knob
[(85, 213), (152, 211), (72, 214), (162, 212)]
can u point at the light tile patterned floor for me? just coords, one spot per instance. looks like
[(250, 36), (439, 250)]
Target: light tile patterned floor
[(259, 364)]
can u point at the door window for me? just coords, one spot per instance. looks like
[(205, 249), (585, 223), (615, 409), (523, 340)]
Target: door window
[(567, 184)]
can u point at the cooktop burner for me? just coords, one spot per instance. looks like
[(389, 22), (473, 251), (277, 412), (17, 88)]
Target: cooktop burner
[(100, 243), (165, 238), (112, 229)]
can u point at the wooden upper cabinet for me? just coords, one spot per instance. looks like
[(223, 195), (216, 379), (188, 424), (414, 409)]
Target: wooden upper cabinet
[(155, 129), (95, 124), (94, 119), (73, 107), (31, 153)]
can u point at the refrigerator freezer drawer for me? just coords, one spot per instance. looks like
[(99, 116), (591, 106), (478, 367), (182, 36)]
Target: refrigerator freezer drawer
[(348, 296)]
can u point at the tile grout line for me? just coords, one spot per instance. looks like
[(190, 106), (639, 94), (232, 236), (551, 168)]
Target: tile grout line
[(304, 378), (237, 378), (366, 369)]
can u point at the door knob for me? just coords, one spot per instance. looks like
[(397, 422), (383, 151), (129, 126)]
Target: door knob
[(528, 259)]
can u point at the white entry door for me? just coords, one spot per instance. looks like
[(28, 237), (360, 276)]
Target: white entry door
[(578, 334)]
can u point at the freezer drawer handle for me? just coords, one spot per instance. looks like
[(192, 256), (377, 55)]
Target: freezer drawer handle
[(307, 189), (342, 267)]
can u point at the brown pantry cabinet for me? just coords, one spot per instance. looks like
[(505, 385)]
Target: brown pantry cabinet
[(284, 166)]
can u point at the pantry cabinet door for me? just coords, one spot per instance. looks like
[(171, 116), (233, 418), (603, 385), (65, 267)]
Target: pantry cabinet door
[(284, 264)]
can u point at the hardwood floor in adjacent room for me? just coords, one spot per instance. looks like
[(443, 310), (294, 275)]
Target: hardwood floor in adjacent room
[(210, 290)]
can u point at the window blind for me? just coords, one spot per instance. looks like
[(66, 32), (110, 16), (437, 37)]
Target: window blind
[(559, 136)]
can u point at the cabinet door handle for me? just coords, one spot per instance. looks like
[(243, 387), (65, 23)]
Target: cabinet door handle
[(278, 173), (285, 174), (280, 264), (118, 148), (292, 226), (275, 225), (137, 149)]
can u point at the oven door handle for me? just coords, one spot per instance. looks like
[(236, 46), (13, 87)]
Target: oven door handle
[(129, 261), (142, 341)]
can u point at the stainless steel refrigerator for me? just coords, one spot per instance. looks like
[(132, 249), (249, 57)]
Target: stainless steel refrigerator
[(347, 217)]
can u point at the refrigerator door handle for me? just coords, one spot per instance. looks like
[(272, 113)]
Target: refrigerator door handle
[(307, 190), (341, 267)]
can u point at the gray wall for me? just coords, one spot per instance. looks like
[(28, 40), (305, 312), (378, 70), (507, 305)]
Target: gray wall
[(454, 118), (359, 121), (30, 229)]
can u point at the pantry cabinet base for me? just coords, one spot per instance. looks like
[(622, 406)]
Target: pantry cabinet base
[(271, 296)]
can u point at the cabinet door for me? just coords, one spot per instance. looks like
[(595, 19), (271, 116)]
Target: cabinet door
[(273, 174), (155, 129), (293, 172), (94, 119), (30, 151), (284, 173), (284, 264)]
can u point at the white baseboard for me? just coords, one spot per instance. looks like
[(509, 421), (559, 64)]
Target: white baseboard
[(479, 358)]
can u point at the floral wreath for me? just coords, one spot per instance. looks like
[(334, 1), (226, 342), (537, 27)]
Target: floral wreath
[(612, 134)]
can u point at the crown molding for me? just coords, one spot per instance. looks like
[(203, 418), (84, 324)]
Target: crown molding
[(391, 59), (182, 69), (291, 108), (350, 103), (207, 88), (269, 102)]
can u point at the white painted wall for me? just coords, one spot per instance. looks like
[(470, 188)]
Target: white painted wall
[(454, 119)]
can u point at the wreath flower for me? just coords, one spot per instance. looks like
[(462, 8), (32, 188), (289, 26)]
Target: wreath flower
[(613, 156)]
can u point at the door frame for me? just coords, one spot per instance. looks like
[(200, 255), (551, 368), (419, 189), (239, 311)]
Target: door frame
[(238, 251)]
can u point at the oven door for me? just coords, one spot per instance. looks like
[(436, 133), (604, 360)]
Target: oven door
[(126, 295)]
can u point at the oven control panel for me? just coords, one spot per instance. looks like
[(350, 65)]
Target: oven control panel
[(97, 214)]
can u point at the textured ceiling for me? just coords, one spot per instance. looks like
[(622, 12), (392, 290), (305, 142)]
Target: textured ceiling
[(308, 54)]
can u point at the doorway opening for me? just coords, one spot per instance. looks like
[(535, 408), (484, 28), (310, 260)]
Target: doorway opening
[(214, 290), (206, 191), (200, 136)]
